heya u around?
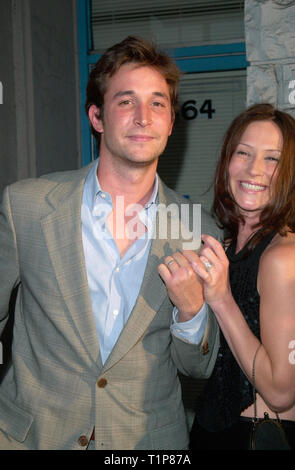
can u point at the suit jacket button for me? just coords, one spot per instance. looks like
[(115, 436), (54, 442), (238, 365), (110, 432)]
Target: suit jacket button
[(83, 441), (205, 348), (101, 383)]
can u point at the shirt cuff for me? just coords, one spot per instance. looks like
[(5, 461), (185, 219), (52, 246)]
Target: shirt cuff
[(191, 331)]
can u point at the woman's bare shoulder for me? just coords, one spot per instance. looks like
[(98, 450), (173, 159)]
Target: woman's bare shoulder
[(279, 256)]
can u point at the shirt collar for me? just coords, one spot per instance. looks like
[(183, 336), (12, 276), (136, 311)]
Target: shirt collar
[(96, 196)]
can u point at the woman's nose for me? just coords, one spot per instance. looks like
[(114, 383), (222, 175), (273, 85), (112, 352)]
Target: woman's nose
[(256, 166)]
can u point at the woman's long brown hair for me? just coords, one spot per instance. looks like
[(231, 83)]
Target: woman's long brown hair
[(279, 214)]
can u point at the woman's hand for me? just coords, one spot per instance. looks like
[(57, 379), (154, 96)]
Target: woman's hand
[(212, 267), (183, 285)]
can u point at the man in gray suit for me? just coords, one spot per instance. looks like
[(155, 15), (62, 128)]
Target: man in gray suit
[(96, 341)]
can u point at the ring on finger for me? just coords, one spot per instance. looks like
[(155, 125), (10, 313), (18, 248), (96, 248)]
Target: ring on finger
[(208, 265), (170, 262)]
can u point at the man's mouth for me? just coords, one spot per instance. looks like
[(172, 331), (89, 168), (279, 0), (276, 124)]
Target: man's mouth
[(140, 137)]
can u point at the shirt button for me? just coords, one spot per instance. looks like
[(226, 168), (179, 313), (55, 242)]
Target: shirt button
[(115, 312), (117, 269), (83, 441), (101, 383)]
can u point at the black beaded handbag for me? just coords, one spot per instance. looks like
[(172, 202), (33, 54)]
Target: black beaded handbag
[(266, 433)]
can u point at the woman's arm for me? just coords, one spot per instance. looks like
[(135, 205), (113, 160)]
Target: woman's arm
[(274, 372)]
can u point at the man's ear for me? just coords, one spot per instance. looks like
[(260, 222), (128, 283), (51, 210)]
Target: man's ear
[(94, 117), (172, 124)]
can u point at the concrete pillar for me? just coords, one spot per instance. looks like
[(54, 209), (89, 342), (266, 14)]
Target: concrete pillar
[(270, 49)]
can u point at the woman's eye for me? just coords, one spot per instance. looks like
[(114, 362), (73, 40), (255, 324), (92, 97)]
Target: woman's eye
[(273, 159), (241, 152)]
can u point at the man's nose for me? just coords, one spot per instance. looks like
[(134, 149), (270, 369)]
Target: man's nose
[(143, 115)]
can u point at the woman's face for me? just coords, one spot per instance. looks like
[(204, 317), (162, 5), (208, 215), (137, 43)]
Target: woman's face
[(253, 164)]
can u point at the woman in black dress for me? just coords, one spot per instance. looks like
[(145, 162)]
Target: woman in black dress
[(249, 285)]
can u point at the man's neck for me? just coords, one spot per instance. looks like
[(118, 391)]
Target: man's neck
[(135, 184)]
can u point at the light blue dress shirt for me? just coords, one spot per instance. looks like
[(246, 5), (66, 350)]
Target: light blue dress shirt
[(114, 282)]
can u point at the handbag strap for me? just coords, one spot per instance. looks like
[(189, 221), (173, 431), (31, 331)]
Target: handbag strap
[(255, 419)]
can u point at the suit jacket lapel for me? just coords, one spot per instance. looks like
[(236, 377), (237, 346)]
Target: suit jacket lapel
[(152, 294), (63, 235)]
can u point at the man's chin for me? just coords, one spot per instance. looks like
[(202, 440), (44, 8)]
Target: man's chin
[(141, 161)]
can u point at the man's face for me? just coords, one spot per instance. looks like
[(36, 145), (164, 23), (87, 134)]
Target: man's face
[(137, 118)]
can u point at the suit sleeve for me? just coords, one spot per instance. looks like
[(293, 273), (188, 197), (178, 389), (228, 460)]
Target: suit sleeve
[(9, 268), (197, 360)]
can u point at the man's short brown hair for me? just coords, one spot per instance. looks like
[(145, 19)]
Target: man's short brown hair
[(132, 50)]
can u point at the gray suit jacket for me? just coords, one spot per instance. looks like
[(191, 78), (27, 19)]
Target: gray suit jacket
[(52, 394)]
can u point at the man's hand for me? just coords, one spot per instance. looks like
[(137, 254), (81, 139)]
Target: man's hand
[(183, 285)]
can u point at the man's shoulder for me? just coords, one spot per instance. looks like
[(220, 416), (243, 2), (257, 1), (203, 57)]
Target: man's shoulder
[(36, 187), (170, 196), (208, 224), (35, 198)]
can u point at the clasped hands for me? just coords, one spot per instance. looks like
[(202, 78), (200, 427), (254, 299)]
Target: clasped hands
[(192, 278)]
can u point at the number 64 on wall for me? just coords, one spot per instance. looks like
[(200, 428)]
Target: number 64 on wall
[(190, 111)]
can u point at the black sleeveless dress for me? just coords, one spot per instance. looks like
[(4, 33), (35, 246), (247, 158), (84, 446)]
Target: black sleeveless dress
[(228, 392)]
